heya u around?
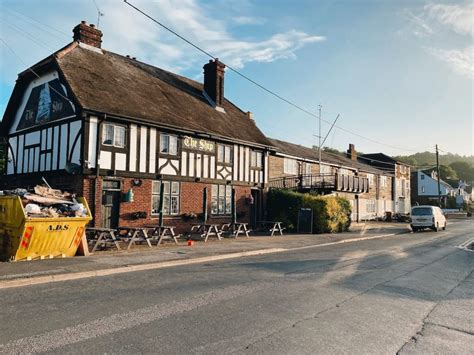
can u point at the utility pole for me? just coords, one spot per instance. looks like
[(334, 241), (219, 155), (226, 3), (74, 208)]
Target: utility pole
[(437, 171), (319, 106)]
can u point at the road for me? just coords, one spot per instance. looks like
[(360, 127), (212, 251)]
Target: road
[(404, 294)]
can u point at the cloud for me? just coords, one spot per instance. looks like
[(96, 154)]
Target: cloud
[(459, 18), (249, 20), (461, 61), (279, 46), (419, 26), (436, 21), (195, 23)]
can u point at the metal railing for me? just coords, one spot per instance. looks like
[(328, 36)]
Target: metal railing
[(321, 182)]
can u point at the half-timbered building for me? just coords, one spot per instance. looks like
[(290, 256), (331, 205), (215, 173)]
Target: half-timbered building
[(114, 129)]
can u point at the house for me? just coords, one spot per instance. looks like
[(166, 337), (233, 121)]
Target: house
[(297, 168), (110, 127), (425, 188), (400, 183)]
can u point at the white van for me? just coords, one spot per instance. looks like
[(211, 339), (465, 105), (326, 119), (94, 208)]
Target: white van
[(427, 217)]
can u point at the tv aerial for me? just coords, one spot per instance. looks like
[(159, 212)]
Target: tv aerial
[(99, 13)]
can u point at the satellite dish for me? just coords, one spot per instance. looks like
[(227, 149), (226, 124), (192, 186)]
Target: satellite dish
[(72, 168)]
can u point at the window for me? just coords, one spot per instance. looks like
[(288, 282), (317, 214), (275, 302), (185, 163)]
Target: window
[(168, 144), (290, 166), (422, 176), (113, 135), (423, 189), (256, 159), (383, 181), (221, 199), (370, 206), (326, 169), (224, 154), (170, 198), (370, 177)]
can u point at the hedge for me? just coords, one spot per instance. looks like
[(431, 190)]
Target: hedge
[(331, 214)]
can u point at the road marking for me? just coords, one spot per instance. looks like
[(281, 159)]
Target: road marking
[(21, 282), (124, 269), (343, 241), (111, 324)]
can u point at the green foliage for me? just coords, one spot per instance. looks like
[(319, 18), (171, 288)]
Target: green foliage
[(464, 170), (429, 159), (330, 214), (447, 173)]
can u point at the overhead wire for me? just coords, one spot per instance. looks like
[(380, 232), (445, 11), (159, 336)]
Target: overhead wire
[(32, 71), (261, 86)]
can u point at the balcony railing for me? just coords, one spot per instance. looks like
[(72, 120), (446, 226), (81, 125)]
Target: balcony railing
[(321, 183)]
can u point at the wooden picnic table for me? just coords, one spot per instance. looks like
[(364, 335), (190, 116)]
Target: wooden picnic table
[(206, 230), (162, 232), (271, 226), (133, 235), (101, 236), (236, 229)]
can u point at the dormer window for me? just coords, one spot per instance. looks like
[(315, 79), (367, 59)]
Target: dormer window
[(113, 135)]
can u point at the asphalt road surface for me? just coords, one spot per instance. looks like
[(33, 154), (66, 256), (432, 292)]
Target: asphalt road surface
[(405, 294)]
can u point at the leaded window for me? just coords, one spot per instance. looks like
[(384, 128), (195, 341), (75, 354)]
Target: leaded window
[(170, 198)]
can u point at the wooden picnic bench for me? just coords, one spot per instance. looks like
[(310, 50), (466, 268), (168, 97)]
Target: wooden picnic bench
[(133, 235), (206, 230), (160, 233), (101, 237), (235, 229), (271, 226)]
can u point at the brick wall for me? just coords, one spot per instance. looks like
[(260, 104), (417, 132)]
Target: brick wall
[(190, 202)]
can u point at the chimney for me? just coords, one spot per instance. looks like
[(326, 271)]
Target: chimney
[(250, 115), (351, 152), (87, 34), (214, 81)]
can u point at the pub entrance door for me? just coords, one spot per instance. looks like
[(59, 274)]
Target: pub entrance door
[(255, 208), (110, 204)]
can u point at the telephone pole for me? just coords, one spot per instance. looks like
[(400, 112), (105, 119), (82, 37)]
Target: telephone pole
[(319, 106), (437, 172)]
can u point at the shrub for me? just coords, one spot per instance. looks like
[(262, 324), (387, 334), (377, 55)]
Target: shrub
[(331, 214)]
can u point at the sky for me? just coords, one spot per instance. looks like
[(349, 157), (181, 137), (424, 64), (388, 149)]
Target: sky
[(399, 73)]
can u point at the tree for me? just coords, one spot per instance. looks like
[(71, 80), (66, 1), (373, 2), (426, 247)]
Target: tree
[(447, 173), (464, 170)]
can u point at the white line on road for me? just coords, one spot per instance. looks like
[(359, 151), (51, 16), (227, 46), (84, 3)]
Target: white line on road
[(20, 282), (107, 325)]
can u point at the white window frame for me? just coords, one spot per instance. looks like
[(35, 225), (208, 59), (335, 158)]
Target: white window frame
[(221, 200), (224, 154), (370, 206), (172, 192), (116, 139), (256, 159), (290, 166), (168, 144)]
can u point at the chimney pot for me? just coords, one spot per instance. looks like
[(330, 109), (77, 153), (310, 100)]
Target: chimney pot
[(214, 81), (92, 25), (250, 115), (87, 34)]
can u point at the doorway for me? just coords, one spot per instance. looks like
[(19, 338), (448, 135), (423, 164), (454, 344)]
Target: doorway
[(255, 209), (110, 204)]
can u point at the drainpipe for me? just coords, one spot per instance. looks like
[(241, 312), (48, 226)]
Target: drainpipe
[(97, 165)]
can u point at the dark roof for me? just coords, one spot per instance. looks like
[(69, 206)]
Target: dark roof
[(124, 87), (379, 158), (326, 157)]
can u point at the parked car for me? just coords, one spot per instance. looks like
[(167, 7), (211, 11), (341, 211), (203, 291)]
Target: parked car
[(427, 217)]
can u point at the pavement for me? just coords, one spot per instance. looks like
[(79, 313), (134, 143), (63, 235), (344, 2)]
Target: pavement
[(399, 294), (103, 263)]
